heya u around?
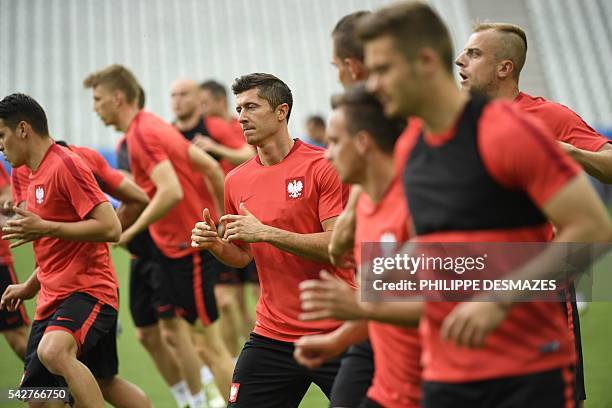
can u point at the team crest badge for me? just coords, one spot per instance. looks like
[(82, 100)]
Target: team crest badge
[(234, 392), (295, 187), (39, 192)]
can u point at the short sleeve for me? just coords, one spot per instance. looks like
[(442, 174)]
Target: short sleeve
[(79, 186), (147, 149), (110, 177), (521, 153), (574, 130), (332, 194)]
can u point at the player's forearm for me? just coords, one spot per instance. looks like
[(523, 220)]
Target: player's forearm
[(129, 212), (309, 246), (86, 230), (231, 254), (596, 164), (217, 179), (161, 203), (234, 156), (33, 284), (343, 235), (352, 332), (398, 313)]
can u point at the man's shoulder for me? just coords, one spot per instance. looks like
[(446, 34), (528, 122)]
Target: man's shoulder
[(546, 110), (242, 170)]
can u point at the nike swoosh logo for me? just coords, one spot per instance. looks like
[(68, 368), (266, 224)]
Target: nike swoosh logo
[(242, 200), (60, 318)]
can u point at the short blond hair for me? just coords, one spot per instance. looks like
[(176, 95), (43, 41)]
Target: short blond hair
[(513, 44), (117, 78)]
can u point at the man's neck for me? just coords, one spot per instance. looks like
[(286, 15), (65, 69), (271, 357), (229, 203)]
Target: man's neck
[(126, 116), (379, 175), (509, 91), (442, 105), (38, 148), (275, 148), (189, 122)]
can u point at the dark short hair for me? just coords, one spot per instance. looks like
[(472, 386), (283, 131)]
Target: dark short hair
[(316, 120), (19, 107), (269, 87), (142, 99), (216, 88), (364, 112), (413, 25), (346, 42)]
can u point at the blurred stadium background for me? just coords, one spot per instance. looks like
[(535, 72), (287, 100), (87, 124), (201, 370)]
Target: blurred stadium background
[(49, 46)]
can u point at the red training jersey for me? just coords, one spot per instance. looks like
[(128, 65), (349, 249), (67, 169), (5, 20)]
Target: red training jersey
[(108, 178), (564, 123), (151, 141), (5, 253), (397, 350), (297, 195), (520, 154), (63, 189)]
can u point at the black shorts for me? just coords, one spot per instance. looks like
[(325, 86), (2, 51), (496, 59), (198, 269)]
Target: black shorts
[(18, 318), (549, 389), (234, 276), (143, 246), (368, 403), (187, 287), (144, 291), (354, 377), (267, 375), (92, 324)]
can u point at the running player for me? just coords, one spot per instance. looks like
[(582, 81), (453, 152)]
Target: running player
[(491, 64), (192, 124), (280, 209), (487, 155), (168, 168), (230, 288), (69, 219), (13, 325), (361, 147)]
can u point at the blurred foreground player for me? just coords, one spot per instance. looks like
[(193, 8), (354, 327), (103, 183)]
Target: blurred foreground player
[(361, 148), (472, 357), (280, 209), (490, 64), (13, 325), (73, 335)]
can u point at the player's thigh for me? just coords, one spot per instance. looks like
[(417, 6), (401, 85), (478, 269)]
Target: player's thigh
[(354, 376)]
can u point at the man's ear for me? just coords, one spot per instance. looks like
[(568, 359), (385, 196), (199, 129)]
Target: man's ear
[(505, 68), (355, 68), (282, 111), (363, 142), (25, 129)]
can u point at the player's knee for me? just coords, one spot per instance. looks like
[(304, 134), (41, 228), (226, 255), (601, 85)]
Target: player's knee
[(149, 338), (225, 298), (54, 352), (170, 337)]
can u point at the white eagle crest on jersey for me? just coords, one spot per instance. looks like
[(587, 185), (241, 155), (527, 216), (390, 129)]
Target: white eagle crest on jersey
[(294, 188), (388, 243), (40, 194)]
